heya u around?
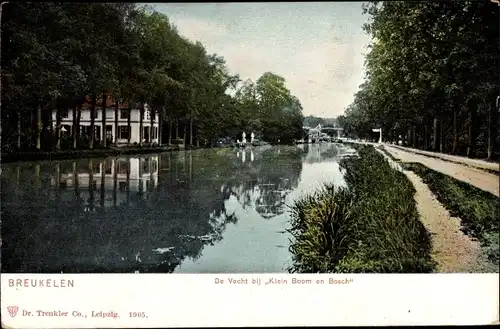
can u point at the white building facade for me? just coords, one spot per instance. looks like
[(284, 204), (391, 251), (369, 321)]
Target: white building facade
[(150, 133), (117, 174)]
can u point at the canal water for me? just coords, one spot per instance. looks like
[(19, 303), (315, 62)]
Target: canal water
[(202, 211)]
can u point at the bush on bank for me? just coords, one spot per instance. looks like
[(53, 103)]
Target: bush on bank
[(477, 209), (372, 226)]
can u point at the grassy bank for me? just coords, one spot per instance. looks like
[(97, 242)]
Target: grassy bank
[(372, 226), (85, 153), (477, 209), (389, 154)]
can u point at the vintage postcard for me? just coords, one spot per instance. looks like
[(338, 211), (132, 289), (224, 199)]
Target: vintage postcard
[(249, 164)]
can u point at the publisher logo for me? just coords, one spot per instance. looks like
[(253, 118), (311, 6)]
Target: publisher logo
[(12, 310)]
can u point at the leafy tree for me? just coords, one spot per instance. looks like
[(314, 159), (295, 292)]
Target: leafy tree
[(430, 76)]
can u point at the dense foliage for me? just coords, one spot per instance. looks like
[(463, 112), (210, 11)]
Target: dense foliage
[(312, 121), (432, 76), (372, 226), (61, 55)]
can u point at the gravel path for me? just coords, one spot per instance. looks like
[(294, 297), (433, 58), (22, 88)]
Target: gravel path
[(453, 251), (476, 177), (451, 248), (480, 164)]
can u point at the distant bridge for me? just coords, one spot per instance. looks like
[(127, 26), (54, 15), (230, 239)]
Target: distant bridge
[(316, 132)]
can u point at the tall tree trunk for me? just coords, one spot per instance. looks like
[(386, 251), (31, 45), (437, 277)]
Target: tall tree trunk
[(115, 180), (471, 135), (160, 128), (170, 125), (128, 181), (19, 129), (91, 184), (78, 118), (152, 115), (435, 134), (454, 147), (185, 133), (129, 114), (413, 136), (442, 135), (492, 131), (103, 182), (92, 120), (75, 179), (115, 136), (191, 131), (74, 128), (103, 119), (58, 128), (141, 123), (39, 126), (428, 134), (177, 129)]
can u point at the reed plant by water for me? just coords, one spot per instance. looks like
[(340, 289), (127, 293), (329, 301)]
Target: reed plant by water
[(371, 226)]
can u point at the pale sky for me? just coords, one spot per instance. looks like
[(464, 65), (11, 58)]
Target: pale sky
[(317, 47)]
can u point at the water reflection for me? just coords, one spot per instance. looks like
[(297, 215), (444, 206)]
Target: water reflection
[(153, 213)]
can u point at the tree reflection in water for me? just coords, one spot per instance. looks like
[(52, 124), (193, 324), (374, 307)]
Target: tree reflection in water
[(143, 214)]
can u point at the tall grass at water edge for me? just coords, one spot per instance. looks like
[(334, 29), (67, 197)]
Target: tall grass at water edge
[(372, 226)]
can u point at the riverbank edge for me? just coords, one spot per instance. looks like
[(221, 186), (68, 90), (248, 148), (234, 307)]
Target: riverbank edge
[(86, 153), (359, 229), (106, 152), (478, 210)]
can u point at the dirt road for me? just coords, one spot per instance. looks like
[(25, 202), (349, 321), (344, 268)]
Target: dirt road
[(478, 163), (452, 250), (476, 177)]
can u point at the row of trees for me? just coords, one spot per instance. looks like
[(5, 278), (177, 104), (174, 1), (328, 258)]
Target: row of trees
[(61, 55), (313, 121), (432, 76)]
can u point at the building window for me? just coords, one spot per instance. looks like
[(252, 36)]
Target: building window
[(96, 167), (66, 131), (154, 166), (123, 167), (109, 132), (123, 132), (124, 113), (67, 168), (145, 166), (97, 132), (109, 113), (108, 165), (65, 113), (85, 130), (122, 186)]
